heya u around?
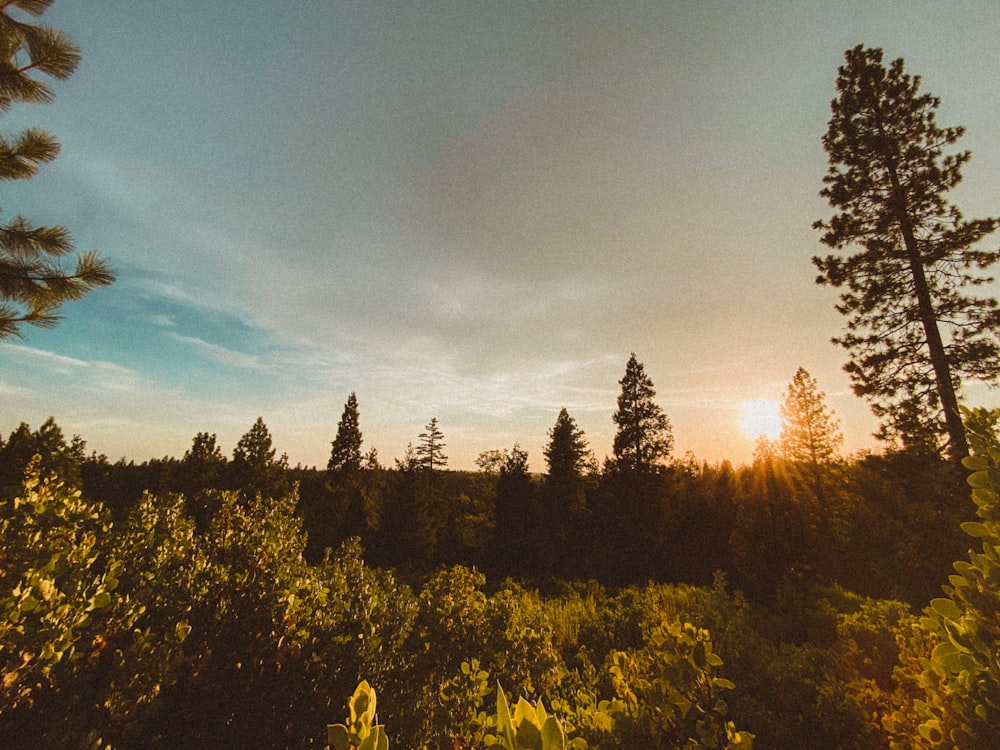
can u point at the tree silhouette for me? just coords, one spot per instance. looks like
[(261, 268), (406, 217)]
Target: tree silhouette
[(809, 430), (913, 332), (644, 438), (33, 284), (254, 467), (430, 450), (564, 509), (345, 478), (345, 453)]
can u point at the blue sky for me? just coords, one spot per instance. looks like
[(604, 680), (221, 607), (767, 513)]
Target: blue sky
[(469, 211)]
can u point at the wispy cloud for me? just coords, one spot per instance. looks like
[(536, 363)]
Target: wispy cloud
[(220, 353), (55, 362)]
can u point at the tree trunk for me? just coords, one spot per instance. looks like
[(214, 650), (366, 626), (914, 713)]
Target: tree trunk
[(958, 446)]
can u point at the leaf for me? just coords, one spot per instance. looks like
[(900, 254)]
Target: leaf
[(946, 608), (504, 725), (976, 463), (976, 529), (979, 479), (338, 737), (101, 599), (528, 736), (552, 735)]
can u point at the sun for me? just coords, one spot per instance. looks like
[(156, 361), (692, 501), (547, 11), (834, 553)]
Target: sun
[(760, 417)]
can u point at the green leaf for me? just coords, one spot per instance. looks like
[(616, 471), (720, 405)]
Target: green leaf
[(338, 737), (979, 479), (946, 608), (529, 736), (504, 725), (101, 599), (552, 735), (976, 529), (976, 463)]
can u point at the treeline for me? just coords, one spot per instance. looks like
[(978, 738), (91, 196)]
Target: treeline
[(881, 525), (205, 624)]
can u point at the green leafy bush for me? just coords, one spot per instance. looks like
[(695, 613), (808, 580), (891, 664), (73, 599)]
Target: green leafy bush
[(957, 667)]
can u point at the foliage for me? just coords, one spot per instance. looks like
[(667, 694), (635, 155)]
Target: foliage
[(360, 732), (48, 448), (54, 584), (33, 284), (959, 671), (563, 508), (255, 470), (527, 728), (913, 331), (519, 536), (216, 614), (668, 695)]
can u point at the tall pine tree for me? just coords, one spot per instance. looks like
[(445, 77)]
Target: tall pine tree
[(345, 453), (564, 498), (644, 438), (913, 330)]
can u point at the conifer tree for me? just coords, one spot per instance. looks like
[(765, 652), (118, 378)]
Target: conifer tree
[(33, 283), (254, 466), (345, 478), (345, 454), (517, 538), (203, 465), (430, 450), (809, 430), (564, 506), (913, 330), (644, 438)]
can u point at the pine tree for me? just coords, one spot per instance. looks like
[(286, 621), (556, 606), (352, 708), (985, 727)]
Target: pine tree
[(254, 466), (644, 438), (33, 283), (566, 454), (430, 450), (564, 505), (203, 466), (913, 331), (517, 540), (345, 455), (345, 478), (809, 430)]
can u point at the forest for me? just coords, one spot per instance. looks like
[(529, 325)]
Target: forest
[(653, 601)]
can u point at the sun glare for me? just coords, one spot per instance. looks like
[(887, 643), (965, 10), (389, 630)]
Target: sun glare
[(760, 417)]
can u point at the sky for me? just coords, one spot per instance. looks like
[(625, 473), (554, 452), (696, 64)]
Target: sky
[(470, 211)]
